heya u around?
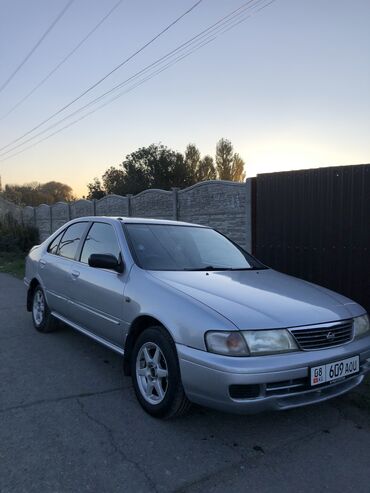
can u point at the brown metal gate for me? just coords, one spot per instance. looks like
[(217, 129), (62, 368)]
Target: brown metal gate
[(315, 224)]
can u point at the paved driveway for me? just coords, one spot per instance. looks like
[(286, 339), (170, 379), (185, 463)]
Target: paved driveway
[(69, 422)]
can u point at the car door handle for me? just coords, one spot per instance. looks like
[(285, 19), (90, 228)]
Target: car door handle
[(75, 274), (42, 263)]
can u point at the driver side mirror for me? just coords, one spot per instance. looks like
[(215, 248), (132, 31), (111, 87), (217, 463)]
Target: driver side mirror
[(106, 261)]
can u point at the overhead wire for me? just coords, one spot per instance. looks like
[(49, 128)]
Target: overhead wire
[(34, 48), (212, 29), (117, 67), (110, 101), (211, 34), (64, 59)]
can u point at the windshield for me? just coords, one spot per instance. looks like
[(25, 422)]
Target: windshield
[(172, 247)]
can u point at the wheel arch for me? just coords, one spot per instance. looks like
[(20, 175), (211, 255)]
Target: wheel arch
[(31, 289), (137, 327)]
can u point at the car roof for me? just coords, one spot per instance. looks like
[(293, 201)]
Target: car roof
[(137, 220)]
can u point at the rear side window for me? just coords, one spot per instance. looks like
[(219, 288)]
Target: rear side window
[(70, 240), (53, 247), (100, 239)]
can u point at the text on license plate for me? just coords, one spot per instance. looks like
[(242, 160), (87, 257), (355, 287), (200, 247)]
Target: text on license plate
[(335, 370)]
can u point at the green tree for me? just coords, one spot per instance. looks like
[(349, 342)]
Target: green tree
[(206, 169), (224, 159), (56, 191), (155, 166), (95, 190), (35, 193), (230, 166), (192, 162), (114, 181), (238, 173)]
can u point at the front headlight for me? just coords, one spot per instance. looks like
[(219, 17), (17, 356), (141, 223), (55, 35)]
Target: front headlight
[(269, 341), (227, 343), (361, 326), (250, 342)]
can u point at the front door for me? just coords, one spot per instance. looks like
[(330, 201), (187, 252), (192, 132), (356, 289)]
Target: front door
[(97, 294), (56, 265)]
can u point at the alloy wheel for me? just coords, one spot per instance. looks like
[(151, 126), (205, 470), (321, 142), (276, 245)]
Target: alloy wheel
[(152, 373), (38, 308)]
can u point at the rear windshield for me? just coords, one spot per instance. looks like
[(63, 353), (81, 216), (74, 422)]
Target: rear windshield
[(172, 247)]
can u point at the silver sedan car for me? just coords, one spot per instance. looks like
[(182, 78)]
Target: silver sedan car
[(195, 317)]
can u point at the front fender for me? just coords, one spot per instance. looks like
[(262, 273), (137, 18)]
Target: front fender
[(32, 277), (185, 318)]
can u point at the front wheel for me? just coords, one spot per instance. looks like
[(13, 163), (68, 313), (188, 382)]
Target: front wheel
[(156, 374), (43, 321)]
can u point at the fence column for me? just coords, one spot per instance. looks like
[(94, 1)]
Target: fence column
[(175, 213), (129, 211), (51, 218)]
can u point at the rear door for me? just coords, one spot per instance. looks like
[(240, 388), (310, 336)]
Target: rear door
[(56, 267), (97, 294)]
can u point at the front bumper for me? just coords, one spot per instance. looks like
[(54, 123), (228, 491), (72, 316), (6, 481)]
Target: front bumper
[(255, 384)]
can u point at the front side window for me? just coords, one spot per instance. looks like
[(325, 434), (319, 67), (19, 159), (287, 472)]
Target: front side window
[(100, 239), (53, 247), (70, 240), (171, 247)]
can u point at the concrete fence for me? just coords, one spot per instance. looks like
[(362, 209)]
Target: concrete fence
[(223, 205)]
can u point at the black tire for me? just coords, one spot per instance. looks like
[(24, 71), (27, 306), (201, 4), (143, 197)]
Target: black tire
[(174, 403), (45, 323)]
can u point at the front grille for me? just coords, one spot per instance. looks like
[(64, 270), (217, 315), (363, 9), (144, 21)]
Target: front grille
[(323, 336), (287, 386)]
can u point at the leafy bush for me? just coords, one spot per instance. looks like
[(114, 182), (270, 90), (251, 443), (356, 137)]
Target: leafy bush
[(16, 237)]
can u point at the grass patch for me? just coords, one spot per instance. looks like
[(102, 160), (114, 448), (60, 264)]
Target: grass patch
[(16, 239), (12, 263)]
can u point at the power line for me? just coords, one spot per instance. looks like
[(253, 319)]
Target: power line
[(55, 21), (208, 35), (221, 30), (215, 28), (225, 20), (110, 101), (124, 62), (72, 52), (127, 81)]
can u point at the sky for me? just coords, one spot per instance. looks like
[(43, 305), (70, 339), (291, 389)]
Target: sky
[(290, 86)]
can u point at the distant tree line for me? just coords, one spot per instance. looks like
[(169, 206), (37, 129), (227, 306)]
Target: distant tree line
[(157, 166), (35, 193)]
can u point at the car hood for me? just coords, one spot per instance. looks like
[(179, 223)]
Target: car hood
[(262, 298)]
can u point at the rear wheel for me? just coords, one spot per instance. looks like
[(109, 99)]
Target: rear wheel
[(156, 374), (43, 321)]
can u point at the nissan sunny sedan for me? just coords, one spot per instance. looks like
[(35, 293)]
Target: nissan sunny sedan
[(196, 318)]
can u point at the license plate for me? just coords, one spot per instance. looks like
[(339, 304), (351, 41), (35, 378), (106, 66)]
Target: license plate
[(335, 371)]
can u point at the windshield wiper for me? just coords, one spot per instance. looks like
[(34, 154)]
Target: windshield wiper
[(208, 267), (212, 267)]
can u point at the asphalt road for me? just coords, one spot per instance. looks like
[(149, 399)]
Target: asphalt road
[(69, 422)]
